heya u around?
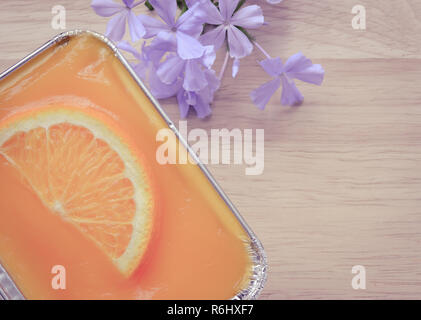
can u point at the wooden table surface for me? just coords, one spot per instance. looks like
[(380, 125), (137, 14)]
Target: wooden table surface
[(342, 179)]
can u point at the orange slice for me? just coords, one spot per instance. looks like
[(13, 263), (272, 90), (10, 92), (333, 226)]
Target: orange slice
[(82, 169)]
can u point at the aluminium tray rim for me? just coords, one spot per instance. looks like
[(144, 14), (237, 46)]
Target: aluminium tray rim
[(259, 272)]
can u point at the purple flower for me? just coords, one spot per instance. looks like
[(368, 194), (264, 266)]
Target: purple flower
[(296, 67), (116, 27), (192, 81), (190, 70), (228, 21), (186, 29), (159, 89), (200, 100), (162, 44)]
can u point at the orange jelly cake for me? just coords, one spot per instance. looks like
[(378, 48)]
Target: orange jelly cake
[(81, 188)]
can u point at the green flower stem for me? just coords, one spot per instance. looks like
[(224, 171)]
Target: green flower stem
[(148, 5)]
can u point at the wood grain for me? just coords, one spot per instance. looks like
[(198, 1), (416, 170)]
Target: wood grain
[(342, 179)]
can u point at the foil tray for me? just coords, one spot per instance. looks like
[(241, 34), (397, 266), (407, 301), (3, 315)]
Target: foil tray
[(8, 289)]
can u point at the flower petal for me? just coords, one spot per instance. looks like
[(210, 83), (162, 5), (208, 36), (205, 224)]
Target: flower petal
[(194, 79), (188, 47), (191, 21), (209, 12), (272, 66), (235, 67), (152, 26), (314, 74), (106, 8), (202, 108), (126, 46), (166, 10), (161, 90), (262, 95), (191, 97), (164, 42), (128, 3), (297, 62), (183, 105), (301, 68), (136, 28), (208, 57), (171, 69), (250, 17), (116, 27), (215, 37), (212, 86), (291, 96), (240, 46), (227, 8)]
